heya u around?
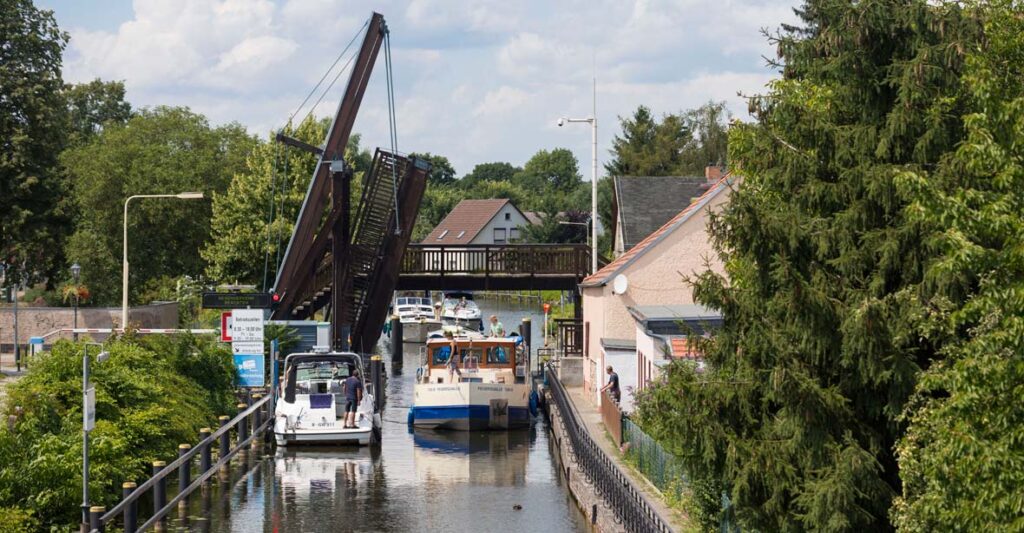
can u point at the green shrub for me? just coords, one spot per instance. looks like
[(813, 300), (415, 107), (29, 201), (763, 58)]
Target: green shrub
[(151, 395)]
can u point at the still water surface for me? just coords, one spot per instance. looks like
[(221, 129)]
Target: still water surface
[(413, 481)]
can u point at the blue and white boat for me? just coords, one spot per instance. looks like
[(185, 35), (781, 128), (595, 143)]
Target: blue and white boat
[(470, 383)]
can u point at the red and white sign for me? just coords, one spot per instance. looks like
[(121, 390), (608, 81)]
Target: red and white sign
[(226, 323)]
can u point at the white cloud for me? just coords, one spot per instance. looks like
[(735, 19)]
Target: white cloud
[(476, 81)]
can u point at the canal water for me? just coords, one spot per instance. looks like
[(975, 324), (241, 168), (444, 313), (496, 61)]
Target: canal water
[(413, 481)]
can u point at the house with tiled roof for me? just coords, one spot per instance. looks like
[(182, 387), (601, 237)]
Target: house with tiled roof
[(649, 273), (491, 221), (642, 204)]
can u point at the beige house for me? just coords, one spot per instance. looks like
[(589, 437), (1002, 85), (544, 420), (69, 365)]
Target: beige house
[(649, 273)]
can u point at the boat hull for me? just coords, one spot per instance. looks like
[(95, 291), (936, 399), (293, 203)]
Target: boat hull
[(356, 437), (471, 406)]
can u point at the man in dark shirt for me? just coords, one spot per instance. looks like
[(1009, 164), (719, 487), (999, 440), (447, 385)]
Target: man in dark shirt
[(613, 384), (353, 395)]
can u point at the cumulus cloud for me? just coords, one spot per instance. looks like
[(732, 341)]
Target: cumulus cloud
[(477, 81)]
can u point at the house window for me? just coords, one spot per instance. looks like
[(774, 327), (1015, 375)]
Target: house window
[(513, 235), (461, 233), (499, 236), (508, 216), (443, 233)]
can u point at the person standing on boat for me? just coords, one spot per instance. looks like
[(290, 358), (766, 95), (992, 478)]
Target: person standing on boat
[(353, 396), (497, 328), (437, 310), (613, 384)]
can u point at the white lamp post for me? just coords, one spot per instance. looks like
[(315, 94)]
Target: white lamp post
[(124, 280), (592, 119), (88, 422)]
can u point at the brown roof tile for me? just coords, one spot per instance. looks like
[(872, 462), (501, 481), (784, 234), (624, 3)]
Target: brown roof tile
[(465, 221)]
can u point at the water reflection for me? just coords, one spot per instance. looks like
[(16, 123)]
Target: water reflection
[(412, 481)]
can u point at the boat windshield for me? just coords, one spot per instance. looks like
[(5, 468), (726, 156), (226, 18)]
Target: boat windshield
[(313, 370), (472, 357)]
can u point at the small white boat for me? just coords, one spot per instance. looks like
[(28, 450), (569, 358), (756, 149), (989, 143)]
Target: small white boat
[(459, 309), (454, 331), (417, 317), (311, 406), (481, 384)]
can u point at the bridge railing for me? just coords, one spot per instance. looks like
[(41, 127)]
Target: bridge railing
[(631, 508), (501, 260), (248, 425)]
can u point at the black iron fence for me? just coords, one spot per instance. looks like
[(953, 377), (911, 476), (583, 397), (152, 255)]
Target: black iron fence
[(631, 508), (249, 425)]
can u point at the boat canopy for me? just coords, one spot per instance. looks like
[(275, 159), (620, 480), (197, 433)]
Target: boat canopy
[(294, 361)]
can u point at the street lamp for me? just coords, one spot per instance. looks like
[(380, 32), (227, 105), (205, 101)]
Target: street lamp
[(76, 271), (124, 265), (88, 422), (592, 120)]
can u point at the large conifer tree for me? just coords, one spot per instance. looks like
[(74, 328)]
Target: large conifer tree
[(798, 412)]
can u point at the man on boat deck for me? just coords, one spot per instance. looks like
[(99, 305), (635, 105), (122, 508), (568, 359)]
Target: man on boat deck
[(497, 328), (353, 395)]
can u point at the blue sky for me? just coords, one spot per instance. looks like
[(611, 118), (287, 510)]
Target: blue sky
[(476, 81)]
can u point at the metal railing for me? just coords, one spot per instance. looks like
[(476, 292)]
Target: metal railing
[(632, 509), (570, 260), (663, 469), (256, 417)]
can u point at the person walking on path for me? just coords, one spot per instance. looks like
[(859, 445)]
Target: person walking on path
[(353, 395), (613, 384), (497, 328)]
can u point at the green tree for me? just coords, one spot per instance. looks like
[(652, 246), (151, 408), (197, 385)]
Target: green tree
[(960, 458), (92, 105), (797, 412), (33, 221), (158, 151), (245, 243), (709, 140), (497, 171), (441, 171), (549, 170), (680, 144)]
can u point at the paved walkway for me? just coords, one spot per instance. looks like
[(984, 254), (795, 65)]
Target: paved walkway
[(595, 426)]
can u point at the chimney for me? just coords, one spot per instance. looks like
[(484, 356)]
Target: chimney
[(713, 173)]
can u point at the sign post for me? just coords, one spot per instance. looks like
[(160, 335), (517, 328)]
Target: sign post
[(245, 328)]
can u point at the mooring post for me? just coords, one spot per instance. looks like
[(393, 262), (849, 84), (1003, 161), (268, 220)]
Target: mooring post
[(526, 330), (225, 438), (396, 339), (243, 424), (257, 417), (130, 512), (184, 471), (95, 513), (377, 377), (159, 489), (204, 453)]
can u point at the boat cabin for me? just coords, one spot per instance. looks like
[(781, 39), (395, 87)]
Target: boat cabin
[(319, 374), (463, 359)]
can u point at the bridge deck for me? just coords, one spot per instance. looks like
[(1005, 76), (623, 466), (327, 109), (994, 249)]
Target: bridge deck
[(498, 267)]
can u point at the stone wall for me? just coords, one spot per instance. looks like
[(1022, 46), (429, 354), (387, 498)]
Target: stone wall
[(39, 321)]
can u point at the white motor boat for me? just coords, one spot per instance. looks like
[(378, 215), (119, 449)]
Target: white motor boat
[(459, 309), (417, 317), (311, 405), (454, 331), (470, 384)]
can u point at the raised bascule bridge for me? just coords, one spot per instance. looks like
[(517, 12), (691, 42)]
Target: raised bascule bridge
[(348, 255)]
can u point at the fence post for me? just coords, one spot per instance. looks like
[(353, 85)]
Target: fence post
[(225, 438), (95, 514), (130, 522), (243, 424), (159, 489), (396, 339), (257, 418), (185, 470), (204, 453)]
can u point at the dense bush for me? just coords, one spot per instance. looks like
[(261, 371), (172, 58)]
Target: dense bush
[(151, 395)]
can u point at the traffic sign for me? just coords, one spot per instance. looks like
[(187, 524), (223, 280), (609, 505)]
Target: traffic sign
[(225, 326), (247, 325), (237, 300)]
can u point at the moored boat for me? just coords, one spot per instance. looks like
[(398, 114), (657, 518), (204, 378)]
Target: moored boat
[(311, 408), (459, 309), (472, 383), (417, 317)]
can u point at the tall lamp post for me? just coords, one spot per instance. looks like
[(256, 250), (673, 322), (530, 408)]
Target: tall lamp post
[(592, 120), (124, 264), (76, 271), (88, 422)]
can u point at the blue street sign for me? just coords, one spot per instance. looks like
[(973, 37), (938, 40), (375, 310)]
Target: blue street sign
[(250, 369)]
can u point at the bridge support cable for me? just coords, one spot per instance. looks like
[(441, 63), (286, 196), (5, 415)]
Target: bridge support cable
[(392, 122)]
